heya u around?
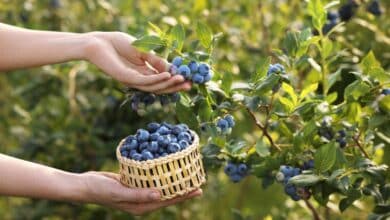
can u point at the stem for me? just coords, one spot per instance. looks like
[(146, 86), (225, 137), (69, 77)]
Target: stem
[(356, 139), (264, 129), (314, 212)]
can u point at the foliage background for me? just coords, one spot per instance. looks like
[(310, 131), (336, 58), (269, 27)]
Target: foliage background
[(68, 115)]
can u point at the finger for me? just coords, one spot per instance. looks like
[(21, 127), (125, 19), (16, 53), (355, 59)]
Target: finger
[(185, 86), (144, 80), (175, 80), (156, 62)]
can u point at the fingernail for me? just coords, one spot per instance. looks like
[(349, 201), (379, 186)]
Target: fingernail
[(155, 195)]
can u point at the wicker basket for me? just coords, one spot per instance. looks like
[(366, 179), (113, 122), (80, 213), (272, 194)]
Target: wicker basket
[(174, 175)]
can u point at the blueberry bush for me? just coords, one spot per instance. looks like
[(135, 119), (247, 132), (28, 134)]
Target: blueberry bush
[(290, 99)]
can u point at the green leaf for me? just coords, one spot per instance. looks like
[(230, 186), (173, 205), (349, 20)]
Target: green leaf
[(267, 84), (262, 149), (286, 103), (353, 112), (261, 69), (333, 78), (185, 113), (178, 35), (355, 90), (148, 43), (156, 29), (331, 97), (384, 104), (325, 157), (205, 34), (308, 89), (290, 90), (291, 43), (227, 81), (369, 62), (318, 13), (305, 180)]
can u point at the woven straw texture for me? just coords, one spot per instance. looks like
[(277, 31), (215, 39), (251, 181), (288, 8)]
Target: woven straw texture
[(174, 175)]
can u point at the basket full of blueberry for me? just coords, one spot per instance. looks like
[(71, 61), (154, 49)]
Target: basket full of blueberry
[(162, 156)]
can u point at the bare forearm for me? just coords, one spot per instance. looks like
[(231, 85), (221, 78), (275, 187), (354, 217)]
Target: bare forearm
[(27, 179), (21, 48)]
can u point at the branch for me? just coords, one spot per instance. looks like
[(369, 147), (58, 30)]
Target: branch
[(356, 139), (314, 212), (264, 129)]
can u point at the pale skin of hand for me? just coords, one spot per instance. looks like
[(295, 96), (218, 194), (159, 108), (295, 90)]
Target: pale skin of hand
[(26, 179), (113, 54)]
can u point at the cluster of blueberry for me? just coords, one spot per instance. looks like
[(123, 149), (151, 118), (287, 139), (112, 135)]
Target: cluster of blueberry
[(225, 124), (347, 11), (158, 140), (276, 68), (236, 171), (286, 173), (198, 73), (326, 131), (138, 98)]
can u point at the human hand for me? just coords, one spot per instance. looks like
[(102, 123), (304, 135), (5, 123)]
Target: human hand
[(113, 53), (104, 188)]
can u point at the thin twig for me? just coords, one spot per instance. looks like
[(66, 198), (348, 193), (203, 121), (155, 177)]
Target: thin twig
[(356, 139), (264, 129), (314, 212)]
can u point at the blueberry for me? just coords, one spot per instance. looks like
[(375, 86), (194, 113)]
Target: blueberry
[(174, 70), (183, 144), (136, 157), (184, 136), (156, 155), (208, 76), (386, 92), (331, 16), (164, 100), (154, 136), (172, 138), (132, 144), (242, 169), (55, 4), (177, 61), (328, 26), (142, 135), (287, 171), (342, 133), (163, 130), (176, 129), (162, 141), (203, 69), (197, 78), (347, 11), (275, 69), (152, 127), (184, 127), (185, 71), (223, 124), (290, 189), (374, 8), (168, 125), (173, 147), (230, 120), (279, 67), (193, 65), (295, 197), (230, 168), (153, 147), (342, 142), (146, 155), (236, 178), (175, 97), (143, 146), (308, 165), (149, 99), (164, 154), (296, 171), (125, 153)]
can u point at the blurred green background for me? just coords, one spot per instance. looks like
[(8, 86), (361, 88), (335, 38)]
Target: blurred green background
[(74, 121)]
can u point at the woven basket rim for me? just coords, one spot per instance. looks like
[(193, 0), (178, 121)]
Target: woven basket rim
[(161, 160)]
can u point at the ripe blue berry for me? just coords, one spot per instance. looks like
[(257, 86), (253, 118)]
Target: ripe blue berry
[(275, 69), (177, 61), (172, 138), (208, 76), (153, 126), (203, 69), (153, 147), (142, 135), (386, 91), (331, 16), (149, 99), (143, 146), (230, 120), (290, 189), (223, 124), (162, 141), (183, 144), (185, 71), (176, 129), (173, 147), (197, 78), (242, 169), (347, 11), (193, 65), (164, 100), (174, 70), (163, 130), (146, 155), (136, 157), (175, 97), (374, 8), (154, 136), (184, 136), (236, 178), (230, 169)]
